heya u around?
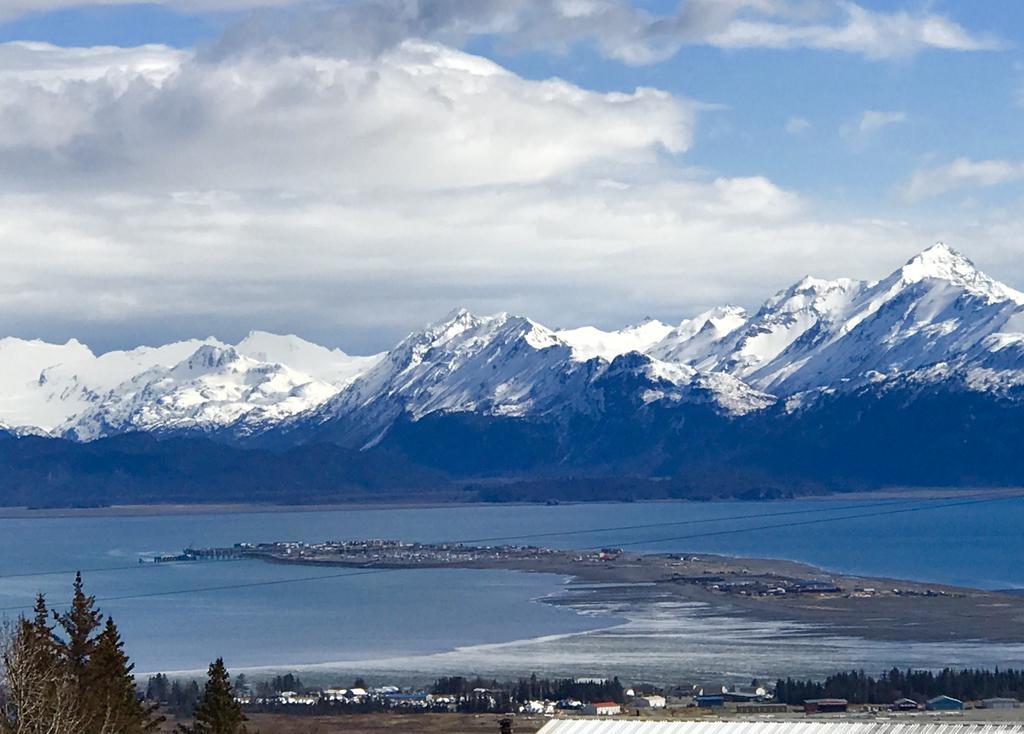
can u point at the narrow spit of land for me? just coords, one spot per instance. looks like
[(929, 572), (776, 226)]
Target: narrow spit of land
[(874, 608)]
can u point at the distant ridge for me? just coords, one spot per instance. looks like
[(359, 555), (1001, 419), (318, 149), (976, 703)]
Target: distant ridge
[(914, 379)]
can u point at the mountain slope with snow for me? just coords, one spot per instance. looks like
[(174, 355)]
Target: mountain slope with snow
[(937, 308), (328, 365), (936, 323), (510, 366), (496, 365), (68, 389), (588, 342), (43, 385), (694, 338), (212, 389)]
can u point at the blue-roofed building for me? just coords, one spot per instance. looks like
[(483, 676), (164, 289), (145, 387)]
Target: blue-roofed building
[(944, 703), (706, 702)]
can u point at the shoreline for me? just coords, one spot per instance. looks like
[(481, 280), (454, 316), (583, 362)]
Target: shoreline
[(766, 590), (628, 645), (405, 503)]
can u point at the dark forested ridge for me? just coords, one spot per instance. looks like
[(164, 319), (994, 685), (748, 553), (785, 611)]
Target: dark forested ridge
[(628, 450), (140, 468)]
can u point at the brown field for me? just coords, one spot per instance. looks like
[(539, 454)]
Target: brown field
[(396, 723), (385, 723)]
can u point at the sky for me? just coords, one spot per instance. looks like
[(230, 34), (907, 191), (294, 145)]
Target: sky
[(350, 170)]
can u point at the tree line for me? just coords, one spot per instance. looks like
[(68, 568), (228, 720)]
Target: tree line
[(534, 688), (68, 673), (919, 685)]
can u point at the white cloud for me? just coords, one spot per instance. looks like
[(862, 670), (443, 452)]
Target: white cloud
[(860, 131), (362, 269), (359, 197), (14, 8), (874, 120), (873, 34), (419, 115), (962, 173), (351, 176), (796, 125), (618, 28)]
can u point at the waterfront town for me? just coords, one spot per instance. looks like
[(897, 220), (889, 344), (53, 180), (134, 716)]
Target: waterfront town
[(692, 701), (456, 703), (715, 574), (578, 706)]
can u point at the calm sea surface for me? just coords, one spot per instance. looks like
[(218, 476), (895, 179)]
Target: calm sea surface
[(418, 623)]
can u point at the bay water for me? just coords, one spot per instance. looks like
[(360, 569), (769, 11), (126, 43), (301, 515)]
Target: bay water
[(413, 624)]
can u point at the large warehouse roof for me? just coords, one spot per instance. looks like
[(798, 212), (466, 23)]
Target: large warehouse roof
[(622, 726)]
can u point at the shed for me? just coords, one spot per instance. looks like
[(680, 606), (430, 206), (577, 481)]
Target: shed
[(650, 702), (905, 704), (761, 708), (1000, 703), (825, 705), (944, 703), (710, 689), (706, 702)]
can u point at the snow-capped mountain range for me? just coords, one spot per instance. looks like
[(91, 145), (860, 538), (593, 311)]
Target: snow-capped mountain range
[(936, 320)]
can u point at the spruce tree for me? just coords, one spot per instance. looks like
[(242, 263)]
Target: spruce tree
[(217, 712), (110, 686), (41, 632), (79, 623)]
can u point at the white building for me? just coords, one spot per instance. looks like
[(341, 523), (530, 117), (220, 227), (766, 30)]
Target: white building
[(649, 702), (301, 699), (1000, 703)]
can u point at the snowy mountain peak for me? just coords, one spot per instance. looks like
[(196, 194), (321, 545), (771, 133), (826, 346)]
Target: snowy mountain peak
[(212, 389), (811, 292), (330, 365), (936, 317), (694, 338), (455, 323), (209, 357), (721, 319), (942, 262), (588, 342)]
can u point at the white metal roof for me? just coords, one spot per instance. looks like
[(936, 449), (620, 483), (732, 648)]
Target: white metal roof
[(622, 726)]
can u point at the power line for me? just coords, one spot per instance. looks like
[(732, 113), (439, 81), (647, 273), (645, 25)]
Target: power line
[(821, 520), (706, 520), (367, 572), (525, 536), (556, 533)]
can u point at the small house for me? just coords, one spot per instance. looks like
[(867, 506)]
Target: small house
[(944, 703), (905, 704), (602, 708)]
